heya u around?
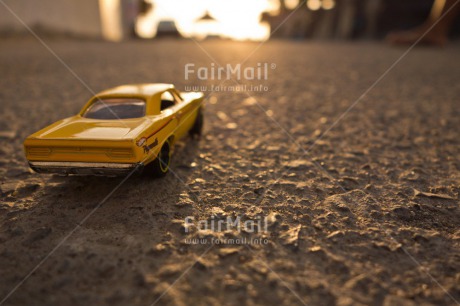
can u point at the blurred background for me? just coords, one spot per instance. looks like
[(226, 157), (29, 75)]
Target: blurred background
[(304, 152), (117, 20)]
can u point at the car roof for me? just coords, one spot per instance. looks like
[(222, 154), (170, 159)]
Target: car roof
[(146, 90)]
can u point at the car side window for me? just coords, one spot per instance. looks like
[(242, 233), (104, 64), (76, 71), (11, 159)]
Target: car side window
[(167, 100)]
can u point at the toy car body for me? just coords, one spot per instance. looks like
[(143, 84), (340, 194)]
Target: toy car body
[(117, 131)]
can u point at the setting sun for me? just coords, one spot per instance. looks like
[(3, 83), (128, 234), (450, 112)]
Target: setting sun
[(236, 19)]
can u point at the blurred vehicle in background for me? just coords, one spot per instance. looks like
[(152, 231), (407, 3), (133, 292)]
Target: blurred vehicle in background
[(167, 28)]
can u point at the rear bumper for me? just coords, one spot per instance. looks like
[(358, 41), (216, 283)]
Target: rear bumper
[(83, 168)]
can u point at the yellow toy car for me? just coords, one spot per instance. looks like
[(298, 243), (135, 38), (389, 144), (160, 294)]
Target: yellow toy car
[(119, 130)]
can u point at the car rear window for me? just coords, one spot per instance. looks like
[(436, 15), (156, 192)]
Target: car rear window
[(115, 109)]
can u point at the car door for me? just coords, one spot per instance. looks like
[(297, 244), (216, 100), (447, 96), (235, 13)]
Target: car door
[(180, 108), (170, 101), (186, 113)]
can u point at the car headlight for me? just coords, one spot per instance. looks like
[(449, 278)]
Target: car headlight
[(141, 141)]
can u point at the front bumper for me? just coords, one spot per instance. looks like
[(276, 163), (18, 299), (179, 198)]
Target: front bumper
[(83, 168)]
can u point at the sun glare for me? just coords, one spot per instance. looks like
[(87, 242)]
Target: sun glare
[(235, 19)]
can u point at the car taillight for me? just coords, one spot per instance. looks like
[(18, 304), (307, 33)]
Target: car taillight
[(38, 151), (120, 153), (141, 142)]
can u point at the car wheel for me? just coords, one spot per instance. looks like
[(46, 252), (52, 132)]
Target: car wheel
[(160, 166), (197, 127)]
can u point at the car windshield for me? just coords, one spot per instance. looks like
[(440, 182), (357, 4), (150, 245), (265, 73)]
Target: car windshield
[(123, 108)]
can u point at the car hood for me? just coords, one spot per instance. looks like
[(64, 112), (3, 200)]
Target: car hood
[(78, 127)]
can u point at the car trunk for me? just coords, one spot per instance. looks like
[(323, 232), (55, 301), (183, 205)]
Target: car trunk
[(80, 150), (78, 139)]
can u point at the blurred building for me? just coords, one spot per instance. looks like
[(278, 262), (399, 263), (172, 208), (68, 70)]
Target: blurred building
[(348, 19), (108, 19)]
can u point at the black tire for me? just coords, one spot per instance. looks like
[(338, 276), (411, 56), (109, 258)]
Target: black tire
[(160, 166), (197, 128)]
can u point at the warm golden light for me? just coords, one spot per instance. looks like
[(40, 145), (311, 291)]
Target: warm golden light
[(235, 19), (328, 4), (314, 5), (111, 20), (291, 4)]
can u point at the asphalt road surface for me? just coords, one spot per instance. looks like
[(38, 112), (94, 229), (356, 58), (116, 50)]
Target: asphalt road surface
[(362, 206)]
